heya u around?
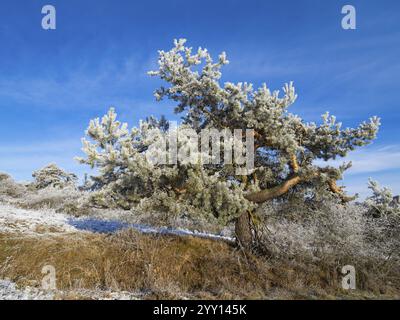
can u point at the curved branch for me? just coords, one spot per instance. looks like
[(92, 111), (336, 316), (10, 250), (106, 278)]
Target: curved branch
[(338, 190), (180, 191), (268, 194), (294, 163)]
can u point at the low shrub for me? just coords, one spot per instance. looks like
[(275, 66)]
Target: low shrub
[(10, 188)]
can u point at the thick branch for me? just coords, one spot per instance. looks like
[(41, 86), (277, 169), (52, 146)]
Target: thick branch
[(268, 194), (338, 190), (294, 164), (180, 191), (262, 140)]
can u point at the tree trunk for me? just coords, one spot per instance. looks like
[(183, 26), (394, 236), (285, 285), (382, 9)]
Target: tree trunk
[(243, 230)]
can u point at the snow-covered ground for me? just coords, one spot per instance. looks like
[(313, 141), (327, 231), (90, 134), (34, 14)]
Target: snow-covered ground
[(42, 223), (28, 222), (10, 291), (110, 226)]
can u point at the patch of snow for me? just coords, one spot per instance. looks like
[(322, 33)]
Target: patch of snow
[(111, 226), (9, 291), (27, 221)]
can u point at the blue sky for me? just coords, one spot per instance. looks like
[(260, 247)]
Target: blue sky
[(53, 82)]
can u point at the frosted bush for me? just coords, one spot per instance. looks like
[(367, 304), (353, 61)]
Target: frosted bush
[(4, 176), (10, 188), (53, 176), (332, 232), (382, 201), (68, 200)]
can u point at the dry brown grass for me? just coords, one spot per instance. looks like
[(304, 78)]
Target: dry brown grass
[(163, 267)]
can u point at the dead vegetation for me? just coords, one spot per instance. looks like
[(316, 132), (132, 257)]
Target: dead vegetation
[(175, 268)]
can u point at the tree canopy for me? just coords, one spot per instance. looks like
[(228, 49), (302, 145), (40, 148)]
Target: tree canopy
[(285, 146)]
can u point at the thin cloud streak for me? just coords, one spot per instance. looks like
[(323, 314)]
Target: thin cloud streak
[(21, 160), (77, 88), (370, 160)]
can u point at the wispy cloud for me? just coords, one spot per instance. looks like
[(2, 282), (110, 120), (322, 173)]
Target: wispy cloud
[(379, 163), (108, 83), (359, 183), (54, 146), (370, 160), (21, 160)]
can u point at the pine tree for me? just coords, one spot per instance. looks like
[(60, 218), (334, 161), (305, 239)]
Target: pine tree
[(286, 146)]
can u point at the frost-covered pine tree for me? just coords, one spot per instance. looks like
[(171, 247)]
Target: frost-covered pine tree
[(286, 146)]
